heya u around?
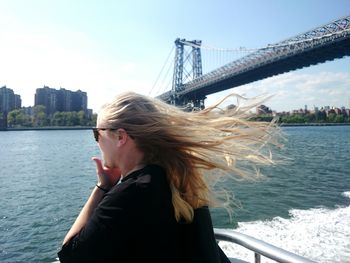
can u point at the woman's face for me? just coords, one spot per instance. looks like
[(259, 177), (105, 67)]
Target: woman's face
[(107, 142)]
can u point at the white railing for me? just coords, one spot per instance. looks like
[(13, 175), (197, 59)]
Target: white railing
[(259, 247)]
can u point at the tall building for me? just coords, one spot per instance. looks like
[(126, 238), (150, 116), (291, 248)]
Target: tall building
[(61, 100), (79, 101), (47, 97), (262, 109), (3, 121), (9, 100)]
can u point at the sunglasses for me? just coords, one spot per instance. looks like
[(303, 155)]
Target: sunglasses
[(97, 134)]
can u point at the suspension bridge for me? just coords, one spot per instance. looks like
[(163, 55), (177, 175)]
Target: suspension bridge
[(191, 86)]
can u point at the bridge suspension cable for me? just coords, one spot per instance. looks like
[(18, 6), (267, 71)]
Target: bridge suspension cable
[(161, 71)]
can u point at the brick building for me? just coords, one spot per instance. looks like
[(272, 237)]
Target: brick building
[(61, 100), (9, 100)]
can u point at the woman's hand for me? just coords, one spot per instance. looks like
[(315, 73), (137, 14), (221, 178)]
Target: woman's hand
[(107, 177)]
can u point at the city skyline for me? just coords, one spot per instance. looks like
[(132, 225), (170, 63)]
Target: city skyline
[(53, 99), (111, 47), (308, 107)]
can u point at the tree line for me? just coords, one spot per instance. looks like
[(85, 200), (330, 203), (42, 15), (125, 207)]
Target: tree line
[(39, 118), (320, 117)]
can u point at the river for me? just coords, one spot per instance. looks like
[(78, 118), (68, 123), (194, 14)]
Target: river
[(302, 205)]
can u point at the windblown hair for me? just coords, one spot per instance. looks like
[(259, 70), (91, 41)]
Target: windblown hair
[(189, 145)]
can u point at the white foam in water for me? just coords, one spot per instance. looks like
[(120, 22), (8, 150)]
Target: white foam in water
[(346, 194), (319, 234)]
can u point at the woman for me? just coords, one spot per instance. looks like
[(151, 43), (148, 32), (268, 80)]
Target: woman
[(150, 202)]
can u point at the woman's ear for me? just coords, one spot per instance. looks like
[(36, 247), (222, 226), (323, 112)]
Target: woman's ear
[(121, 136)]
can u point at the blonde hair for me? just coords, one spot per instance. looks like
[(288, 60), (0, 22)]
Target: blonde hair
[(190, 144)]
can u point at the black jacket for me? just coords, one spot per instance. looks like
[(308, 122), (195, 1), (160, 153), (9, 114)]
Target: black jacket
[(135, 222)]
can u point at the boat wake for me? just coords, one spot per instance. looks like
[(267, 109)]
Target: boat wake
[(320, 234)]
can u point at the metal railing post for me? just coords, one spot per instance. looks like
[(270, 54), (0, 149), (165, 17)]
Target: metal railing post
[(257, 258)]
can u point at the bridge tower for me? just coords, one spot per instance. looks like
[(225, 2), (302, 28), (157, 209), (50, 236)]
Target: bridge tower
[(181, 74)]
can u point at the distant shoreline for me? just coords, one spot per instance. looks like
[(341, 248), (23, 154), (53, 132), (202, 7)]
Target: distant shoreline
[(47, 128), (313, 124), (90, 127)]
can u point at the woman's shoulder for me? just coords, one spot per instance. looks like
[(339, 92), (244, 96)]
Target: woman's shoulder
[(147, 177), (141, 186), (149, 173)]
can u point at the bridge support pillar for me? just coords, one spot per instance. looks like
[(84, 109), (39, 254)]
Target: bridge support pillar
[(198, 104), (181, 75), (190, 104)]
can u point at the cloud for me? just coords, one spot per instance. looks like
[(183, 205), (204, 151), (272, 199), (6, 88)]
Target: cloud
[(294, 90)]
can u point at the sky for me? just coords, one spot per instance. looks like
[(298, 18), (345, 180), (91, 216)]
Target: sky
[(107, 47)]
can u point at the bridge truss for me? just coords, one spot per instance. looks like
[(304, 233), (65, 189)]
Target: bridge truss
[(324, 43)]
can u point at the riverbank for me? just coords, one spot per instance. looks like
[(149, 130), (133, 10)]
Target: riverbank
[(90, 127), (313, 124), (47, 128)]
